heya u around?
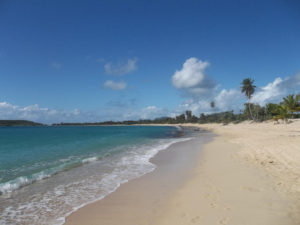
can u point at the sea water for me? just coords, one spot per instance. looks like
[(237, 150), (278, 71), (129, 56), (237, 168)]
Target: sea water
[(48, 172)]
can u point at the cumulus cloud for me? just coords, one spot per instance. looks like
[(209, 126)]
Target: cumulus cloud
[(115, 85), (121, 68), (276, 90), (233, 99), (56, 65), (192, 78), (225, 100)]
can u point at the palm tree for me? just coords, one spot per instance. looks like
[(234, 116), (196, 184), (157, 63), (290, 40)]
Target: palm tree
[(248, 88), (188, 114), (282, 113), (292, 103)]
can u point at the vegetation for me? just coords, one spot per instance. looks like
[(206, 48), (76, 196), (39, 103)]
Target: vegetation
[(9, 123), (248, 88), (288, 108), (292, 104)]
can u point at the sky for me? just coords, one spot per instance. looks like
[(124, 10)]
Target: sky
[(87, 61)]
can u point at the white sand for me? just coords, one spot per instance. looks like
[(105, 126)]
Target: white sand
[(249, 175)]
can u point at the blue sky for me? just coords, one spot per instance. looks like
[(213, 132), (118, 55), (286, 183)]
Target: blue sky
[(99, 60)]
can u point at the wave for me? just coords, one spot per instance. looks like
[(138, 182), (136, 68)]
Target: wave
[(22, 181), (111, 182), (19, 182), (132, 163), (88, 160)]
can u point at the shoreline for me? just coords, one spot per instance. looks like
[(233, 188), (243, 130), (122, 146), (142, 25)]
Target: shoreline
[(146, 193), (49, 201), (254, 180)]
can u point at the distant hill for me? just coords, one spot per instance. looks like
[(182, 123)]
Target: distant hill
[(9, 123)]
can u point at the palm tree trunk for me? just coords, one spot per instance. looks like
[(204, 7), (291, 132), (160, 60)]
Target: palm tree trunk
[(250, 109)]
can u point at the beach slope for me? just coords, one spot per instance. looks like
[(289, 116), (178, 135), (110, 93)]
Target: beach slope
[(249, 174)]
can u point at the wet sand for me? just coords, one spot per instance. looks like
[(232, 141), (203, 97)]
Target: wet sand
[(141, 201), (249, 174)]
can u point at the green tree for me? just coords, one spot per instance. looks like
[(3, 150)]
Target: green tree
[(282, 113), (188, 114), (272, 110), (248, 88), (180, 118), (292, 104), (202, 118)]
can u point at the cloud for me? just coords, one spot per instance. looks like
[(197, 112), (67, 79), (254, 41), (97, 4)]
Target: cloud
[(114, 110), (121, 68), (152, 112), (39, 114), (201, 90), (276, 90), (192, 78), (100, 60), (233, 99), (225, 100), (115, 85), (56, 65)]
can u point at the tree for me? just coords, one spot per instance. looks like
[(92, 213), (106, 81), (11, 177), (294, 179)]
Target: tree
[(180, 118), (292, 104), (271, 109), (202, 118), (248, 89), (188, 114), (282, 113)]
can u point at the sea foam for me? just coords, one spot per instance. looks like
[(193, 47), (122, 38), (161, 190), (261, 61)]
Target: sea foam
[(64, 199)]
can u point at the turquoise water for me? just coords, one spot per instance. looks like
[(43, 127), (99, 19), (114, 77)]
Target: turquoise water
[(52, 171)]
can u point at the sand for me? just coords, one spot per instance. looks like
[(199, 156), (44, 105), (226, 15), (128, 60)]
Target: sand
[(248, 175), (140, 201)]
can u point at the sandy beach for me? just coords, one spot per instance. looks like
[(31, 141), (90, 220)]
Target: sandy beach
[(249, 174)]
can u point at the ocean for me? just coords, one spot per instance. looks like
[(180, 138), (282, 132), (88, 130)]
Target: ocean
[(46, 173)]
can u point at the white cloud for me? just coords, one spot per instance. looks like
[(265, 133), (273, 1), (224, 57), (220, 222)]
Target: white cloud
[(202, 90), (233, 99), (192, 78), (121, 68), (117, 112), (56, 65), (43, 115), (276, 90), (115, 85), (152, 112), (225, 100)]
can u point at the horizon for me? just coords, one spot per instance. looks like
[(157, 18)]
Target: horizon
[(75, 61)]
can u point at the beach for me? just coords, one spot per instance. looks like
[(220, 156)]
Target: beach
[(49, 172), (248, 174), (140, 201)]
